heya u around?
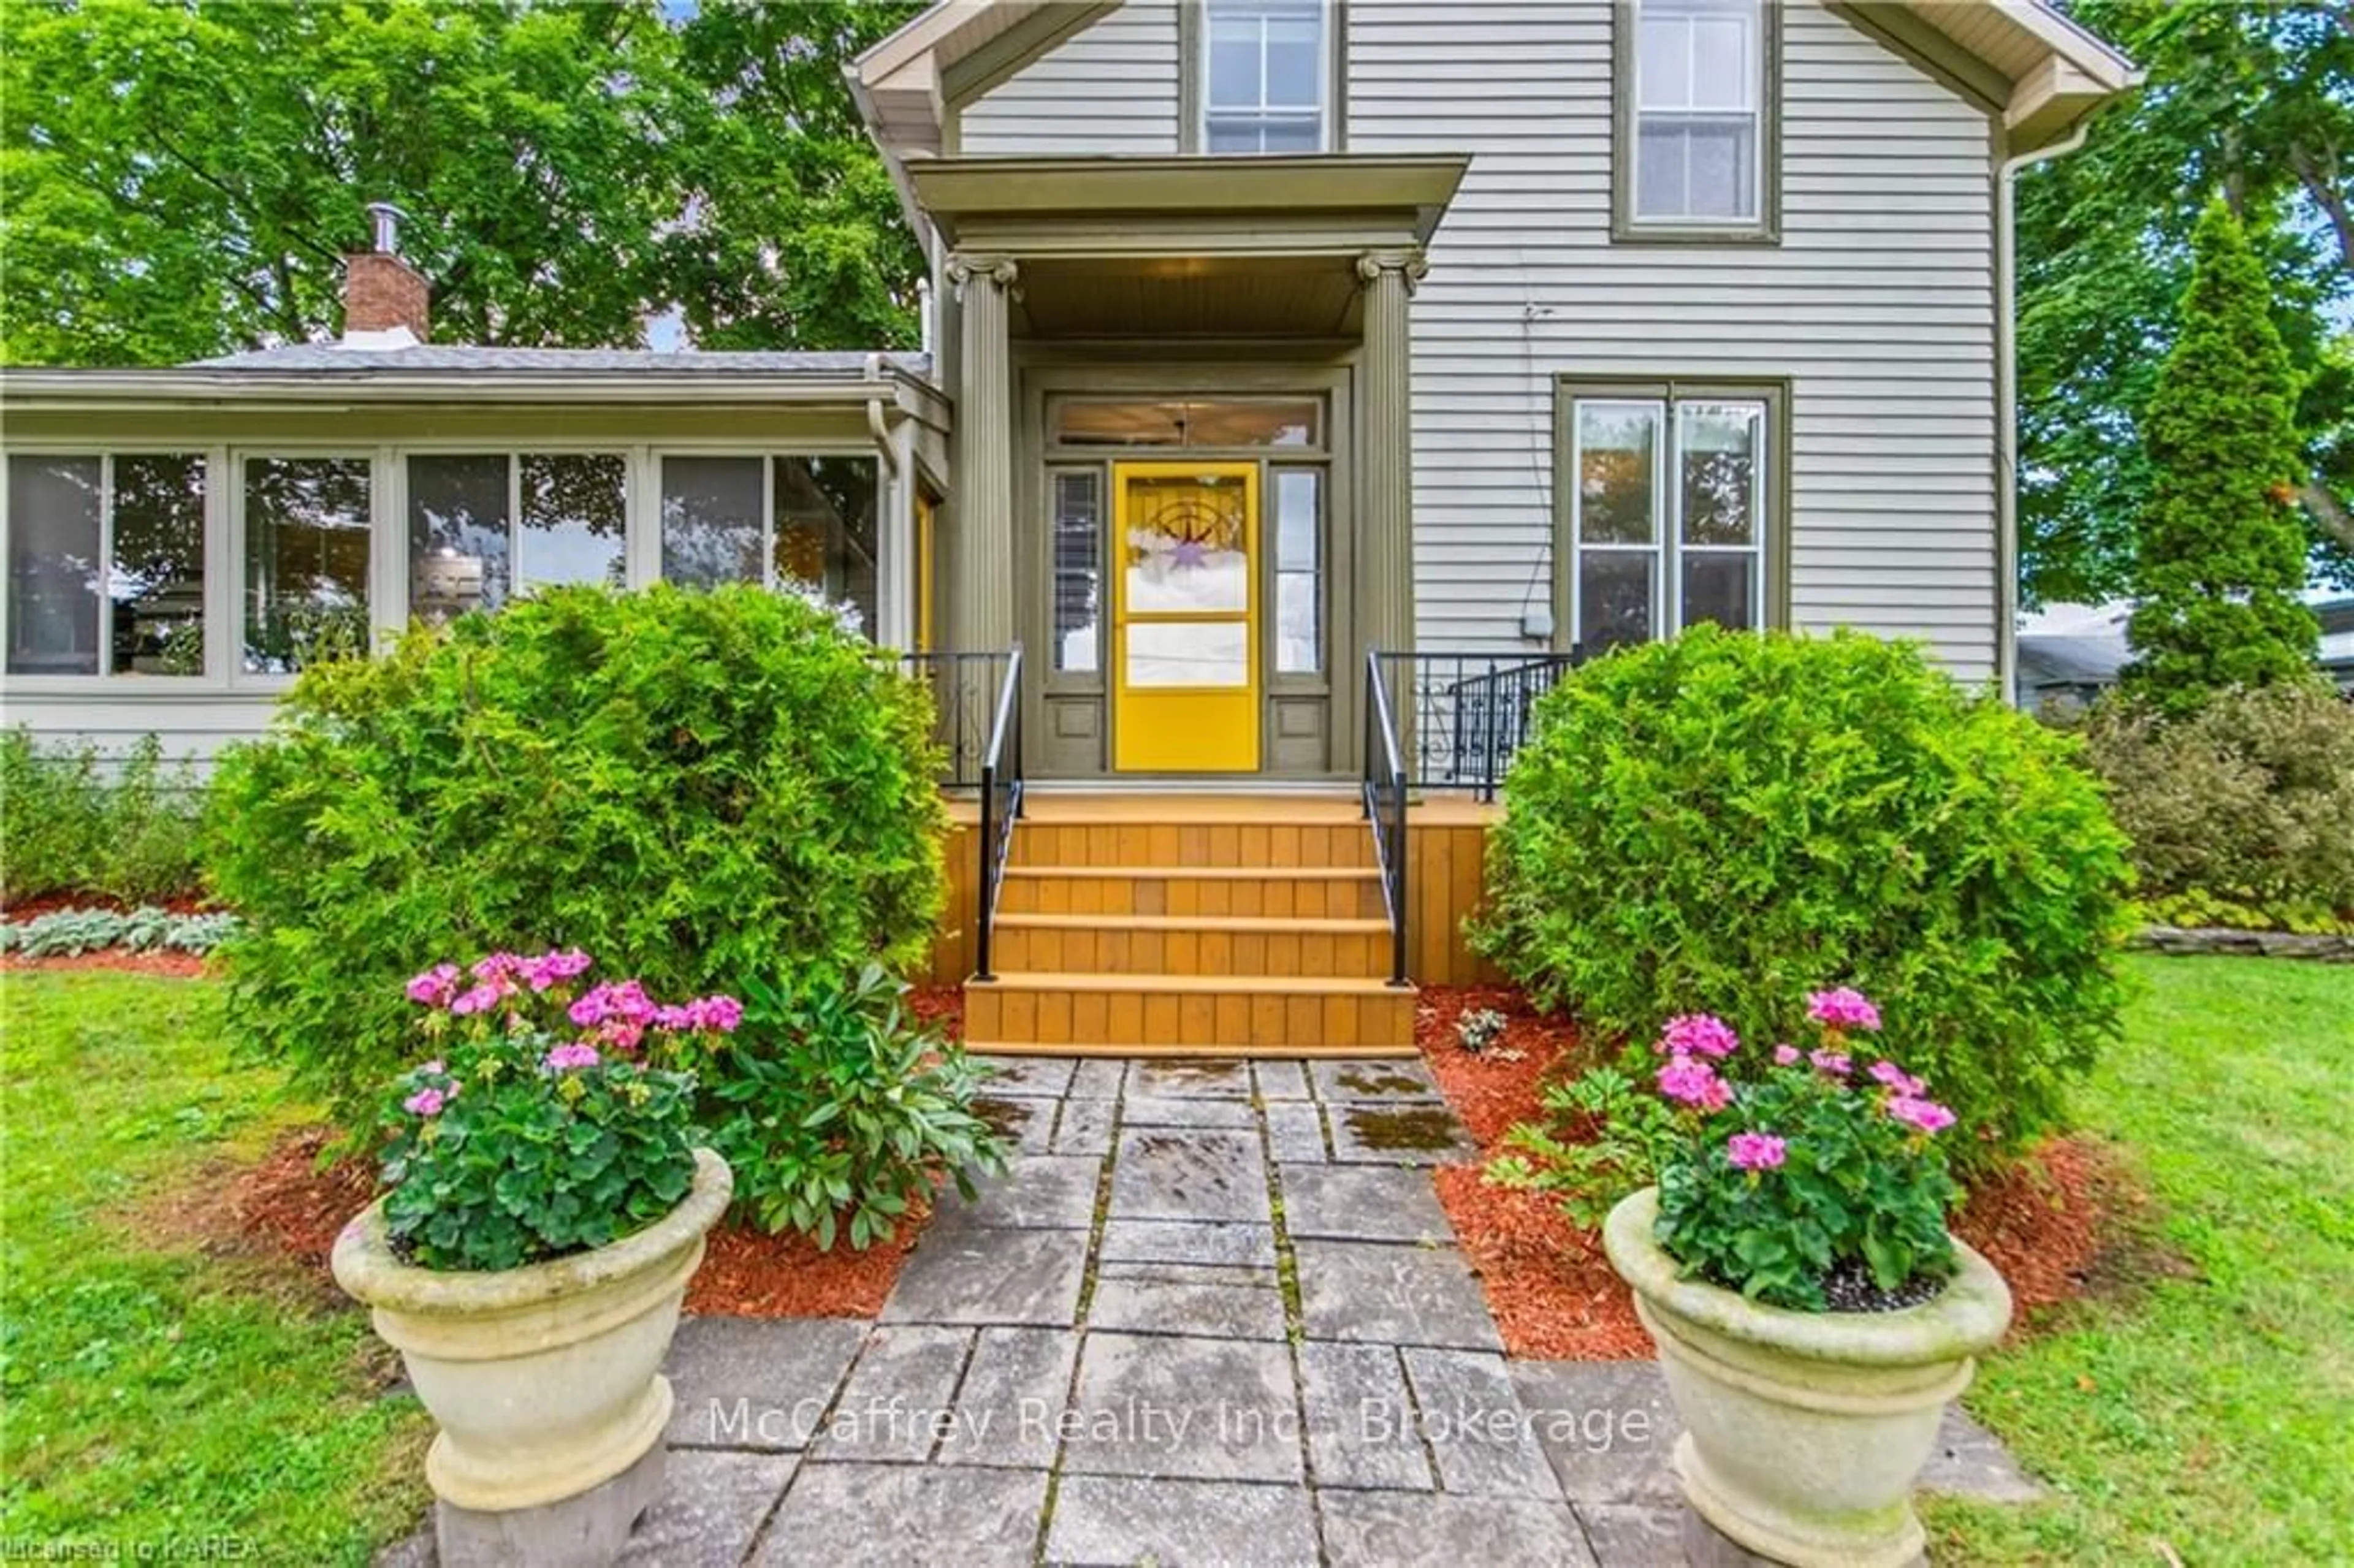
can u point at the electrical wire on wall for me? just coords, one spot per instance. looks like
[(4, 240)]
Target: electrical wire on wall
[(1537, 621)]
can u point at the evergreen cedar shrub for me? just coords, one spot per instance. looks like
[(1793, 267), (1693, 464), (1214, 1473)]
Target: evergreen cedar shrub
[(2242, 813), (2223, 550), (1720, 822), (696, 786)]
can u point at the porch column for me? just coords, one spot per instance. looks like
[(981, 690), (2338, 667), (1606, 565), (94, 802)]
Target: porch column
[(984, 481), (1385, 507)]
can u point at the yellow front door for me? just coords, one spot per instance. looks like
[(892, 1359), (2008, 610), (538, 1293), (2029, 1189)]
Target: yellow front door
[(1185, 675)]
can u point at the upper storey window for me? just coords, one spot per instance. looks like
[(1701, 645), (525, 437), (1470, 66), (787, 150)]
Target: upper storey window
[(1700, 124), (1266, 74)]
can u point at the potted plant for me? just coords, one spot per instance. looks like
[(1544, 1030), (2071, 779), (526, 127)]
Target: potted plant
[(544, 1208), (1812, 1313)]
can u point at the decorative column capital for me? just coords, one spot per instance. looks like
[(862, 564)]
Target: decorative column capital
[(1410, 266), (965, 265)]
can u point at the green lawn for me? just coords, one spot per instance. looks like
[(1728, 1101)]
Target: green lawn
[(2206, 1414), (150, 1393)]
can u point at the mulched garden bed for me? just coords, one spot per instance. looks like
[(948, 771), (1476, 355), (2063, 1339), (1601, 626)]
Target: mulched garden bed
[(288, 1208), (2051, 1225), (178, 966)]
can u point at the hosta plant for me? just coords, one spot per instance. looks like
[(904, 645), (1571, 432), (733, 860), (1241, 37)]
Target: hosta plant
[(1811, 1180), (541, 1126)]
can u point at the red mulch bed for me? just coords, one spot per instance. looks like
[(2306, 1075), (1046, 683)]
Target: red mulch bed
[(940, 1004), (50, 902), (287, 1207), (1551, 1292), (179, 965), (2049, 1225)]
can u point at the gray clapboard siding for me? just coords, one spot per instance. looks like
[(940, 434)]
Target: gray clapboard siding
[(1111, 89), (1878, 305), (190, 727)]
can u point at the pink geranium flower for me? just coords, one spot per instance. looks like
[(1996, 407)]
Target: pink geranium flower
[(480, 998), (1844, 1008), (1698, 1034), (1927, 1116), (1755, 1150), (1786, 1055), (1897, 1078), (1834, 1063), (578, 1054), (425, 1102), (432, 988), (1695, 1084)]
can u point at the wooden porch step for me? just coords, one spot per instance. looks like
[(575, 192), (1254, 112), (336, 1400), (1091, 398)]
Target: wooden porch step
[(1273, 844), (1194, 944), (1208, 1014), (1294, 893)]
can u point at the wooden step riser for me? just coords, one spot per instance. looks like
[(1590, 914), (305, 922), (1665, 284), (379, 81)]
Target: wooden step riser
[(1282, 898), (1364, 956), (1278, 845), (1203, 1021)]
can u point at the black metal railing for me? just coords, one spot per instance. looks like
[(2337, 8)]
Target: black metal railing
[(967, 690), (1001, 785), (1441, 721), (1464, 717), (1386, 783)]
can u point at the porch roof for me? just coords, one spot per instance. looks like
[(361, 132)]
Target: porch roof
[(1323, 204)]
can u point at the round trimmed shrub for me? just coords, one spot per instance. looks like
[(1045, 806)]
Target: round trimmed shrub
[(1728, 821), (2240, 812), (694, 787)]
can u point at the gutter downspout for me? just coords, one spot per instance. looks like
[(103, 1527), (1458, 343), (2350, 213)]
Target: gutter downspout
[(2005, 332)]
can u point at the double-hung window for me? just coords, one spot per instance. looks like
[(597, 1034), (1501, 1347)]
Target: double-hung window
[(1696, 116), (1668, 511), (1265, 70)]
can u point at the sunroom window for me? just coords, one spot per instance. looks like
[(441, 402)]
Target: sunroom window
[(306, 561), (807, 523), (1699, 104), (483, 526), (106, 563), (1667, 516), (1266, 71)]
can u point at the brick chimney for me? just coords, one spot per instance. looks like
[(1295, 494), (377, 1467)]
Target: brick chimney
[(383, 293)]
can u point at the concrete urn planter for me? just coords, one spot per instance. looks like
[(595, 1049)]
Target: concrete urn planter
[(546, 1380), (1805, 1431)]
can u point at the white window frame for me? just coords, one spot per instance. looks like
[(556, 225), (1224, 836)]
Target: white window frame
[(1261, 114), (1667, 547), (514, 453), (885, 504)]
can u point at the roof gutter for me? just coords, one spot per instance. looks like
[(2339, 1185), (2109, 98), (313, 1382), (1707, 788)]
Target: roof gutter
[(2005, 490), (23, 389)]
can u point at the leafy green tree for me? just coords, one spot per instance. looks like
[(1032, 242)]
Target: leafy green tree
[(2222, 557), (2256, 101), (182, 180)]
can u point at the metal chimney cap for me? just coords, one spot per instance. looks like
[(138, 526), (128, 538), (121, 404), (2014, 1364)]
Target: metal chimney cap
[(386, 219)]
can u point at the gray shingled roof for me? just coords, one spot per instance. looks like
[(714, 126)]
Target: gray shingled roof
[(315, 357)]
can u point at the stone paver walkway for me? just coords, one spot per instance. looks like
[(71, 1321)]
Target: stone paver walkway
[(1213, 1315)]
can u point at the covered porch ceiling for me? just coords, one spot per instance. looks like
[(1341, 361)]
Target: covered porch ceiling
[(1189, 247)]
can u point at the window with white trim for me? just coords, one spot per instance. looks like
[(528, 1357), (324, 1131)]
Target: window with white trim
[(485, 526), (1265, 72), (787, 522), (106, 563), (1699, 104), (1666, 515), (307, 527)]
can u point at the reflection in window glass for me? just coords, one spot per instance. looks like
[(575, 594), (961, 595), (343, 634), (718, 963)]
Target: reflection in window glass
[(1640, 575), (1262, 67), (575, 520), (1078, 570), (1299, 528), (1235, 423), (711, 521), (459, 534), (1189, 653), (306, 561), (826, 529), (53, 564), (156, 586), (1187, 548), (1700, 82)]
